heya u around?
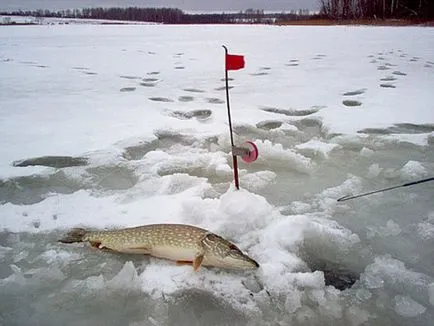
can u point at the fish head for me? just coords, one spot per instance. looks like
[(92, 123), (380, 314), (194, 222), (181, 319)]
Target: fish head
[(225, 254)]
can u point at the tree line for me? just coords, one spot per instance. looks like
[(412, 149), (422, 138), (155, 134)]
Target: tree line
[(163, 15), (377, 9)]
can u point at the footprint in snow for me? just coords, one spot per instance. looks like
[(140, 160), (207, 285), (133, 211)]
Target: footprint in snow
[(214, 100), (149, 82), (388, 78), (146, 84), (351, 103), (185, 98), (387, 85), (200, 115), (127, 89), (269, 124), (80, 68), (130, 77), (193, 90), (399, 73), (383, 67), (222, 88), (262, 73), (292, 63), (355, 92), (160, 99), (291, 113)]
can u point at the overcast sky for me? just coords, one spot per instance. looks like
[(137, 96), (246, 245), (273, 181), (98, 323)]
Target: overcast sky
[(198, 5)]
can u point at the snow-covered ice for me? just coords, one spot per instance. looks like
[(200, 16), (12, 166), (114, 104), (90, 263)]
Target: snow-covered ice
[(136, 117)]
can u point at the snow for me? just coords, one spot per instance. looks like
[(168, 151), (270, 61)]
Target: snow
[(145, 107)]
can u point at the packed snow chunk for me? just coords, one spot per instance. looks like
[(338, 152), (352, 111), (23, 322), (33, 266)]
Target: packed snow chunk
[(407, 307), (317, 147), (386, 271), (371, 281), (299, 207), (328, 301), (159, 279), (17, 277), (374, 171), (276, 153), (327, 200), (293, 301), (357, 316), (325, 233), (20, 256), (425, 230), (391, 229), (258, 180), (413, 170), (45, 275), (126, 279), (245, 211), (431, 293), (178, 182), (95, 282), (59, 257), (4, 251)]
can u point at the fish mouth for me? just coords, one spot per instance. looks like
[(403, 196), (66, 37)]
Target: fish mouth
[(242, 262)]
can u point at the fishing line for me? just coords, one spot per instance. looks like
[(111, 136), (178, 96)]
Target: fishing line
[(348, 197)]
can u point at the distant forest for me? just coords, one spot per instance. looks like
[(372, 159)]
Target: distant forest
[(377, 9), (164, 15)]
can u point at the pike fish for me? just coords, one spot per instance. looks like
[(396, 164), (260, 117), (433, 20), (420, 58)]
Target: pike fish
[(185, 244)]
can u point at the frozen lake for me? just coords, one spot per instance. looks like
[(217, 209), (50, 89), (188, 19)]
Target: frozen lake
[(138, 116)]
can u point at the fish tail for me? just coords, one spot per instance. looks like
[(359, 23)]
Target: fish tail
[(75, 235)]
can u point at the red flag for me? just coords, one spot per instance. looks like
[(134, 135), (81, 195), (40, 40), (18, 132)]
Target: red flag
[(234, 62)]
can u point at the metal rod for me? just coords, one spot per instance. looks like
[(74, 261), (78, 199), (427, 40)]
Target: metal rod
[(385, 189), (234, 157)]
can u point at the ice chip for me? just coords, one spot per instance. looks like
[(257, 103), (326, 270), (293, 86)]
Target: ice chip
[(431, 293), (3, 251), (307, 316), (372, 281), (374, 171), (407, 307), (126, 279), (20, 256), (357, 316), (95, 282), (413, 170), (366, 152), (293, 301), (363, 295)]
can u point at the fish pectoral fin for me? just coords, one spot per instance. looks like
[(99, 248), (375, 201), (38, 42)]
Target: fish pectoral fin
[(197, 262), (184, 262)]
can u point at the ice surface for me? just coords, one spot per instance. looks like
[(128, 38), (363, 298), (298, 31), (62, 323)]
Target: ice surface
[(407, 307), (157, 149)]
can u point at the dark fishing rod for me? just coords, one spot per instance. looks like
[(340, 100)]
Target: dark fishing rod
[(348, 197)]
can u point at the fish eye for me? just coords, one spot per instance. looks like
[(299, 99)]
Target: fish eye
[(232, 247)]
